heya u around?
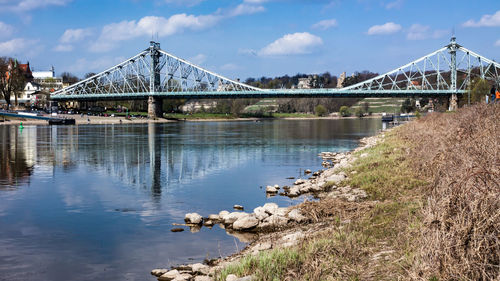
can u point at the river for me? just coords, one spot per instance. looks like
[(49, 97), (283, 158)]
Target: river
[(97, 202)]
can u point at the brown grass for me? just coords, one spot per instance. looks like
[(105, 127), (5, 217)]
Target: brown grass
[(459, 154)]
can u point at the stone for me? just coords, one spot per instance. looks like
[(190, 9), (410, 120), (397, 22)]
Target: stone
[(159, 272), (208, 223), (238, 207), (316, 188), (195, 228), (199, 268), (214, 217), (245, 223), (170, 275), (336, 178), (222, 214), (177, 229), (276, 186), (277, 221), (202, 278), (232, 217), (307, 171), (193, 218), (231, 277), (281, 212), (270, 208), (292, 239), (299, 182), (260, 213), (271, 189), (183, 277), (296, 215), (294, 191)]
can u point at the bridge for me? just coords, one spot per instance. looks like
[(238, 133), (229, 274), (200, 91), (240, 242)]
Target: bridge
[(154, 74)]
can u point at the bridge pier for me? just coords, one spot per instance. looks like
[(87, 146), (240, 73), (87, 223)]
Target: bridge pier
[(453, 103), (155, 107)]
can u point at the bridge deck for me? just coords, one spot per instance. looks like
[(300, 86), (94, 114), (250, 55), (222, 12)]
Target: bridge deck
[(281, 93)]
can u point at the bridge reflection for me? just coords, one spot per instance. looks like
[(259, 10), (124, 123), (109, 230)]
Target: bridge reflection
[(158, 158)]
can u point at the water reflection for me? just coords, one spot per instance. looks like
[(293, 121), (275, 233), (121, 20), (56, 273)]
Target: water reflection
[(156, 156)]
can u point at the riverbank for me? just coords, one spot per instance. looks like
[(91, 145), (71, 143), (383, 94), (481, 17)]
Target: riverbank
[(430, 211), (99, 120)]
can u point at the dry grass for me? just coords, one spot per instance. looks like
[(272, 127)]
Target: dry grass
[(459, 154), (433, 213)]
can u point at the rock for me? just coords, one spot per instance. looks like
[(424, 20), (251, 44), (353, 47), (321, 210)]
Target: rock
[(232, 217), (316, 188), (238, 207), (307, 171), (276, 186), (208, 223), (231, 277), (305, 188), (286, 188), (199, 268), (183, 277), (170, 275), (202, 278), (281, 212), (336, 178), (270, 208), (177, 229), (296, 215), (260, 213), (271, 189), (316, 174), (193, 218), (159, 272), (246, 222), (214, 217), (299, 182), (222, 214), (276, 221), (294, 191), (292, 239)]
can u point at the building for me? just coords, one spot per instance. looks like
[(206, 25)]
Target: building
[(341, 80), (48, 80)]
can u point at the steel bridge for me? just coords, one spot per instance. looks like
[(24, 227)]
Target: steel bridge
[(154, 74)]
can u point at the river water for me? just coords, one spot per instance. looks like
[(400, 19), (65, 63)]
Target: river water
[(97, 202)]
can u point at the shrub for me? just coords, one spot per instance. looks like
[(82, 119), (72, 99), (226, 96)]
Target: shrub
[(344, 111), (320, 110)]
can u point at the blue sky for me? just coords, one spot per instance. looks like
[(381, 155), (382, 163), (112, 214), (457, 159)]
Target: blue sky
[(245, 38)]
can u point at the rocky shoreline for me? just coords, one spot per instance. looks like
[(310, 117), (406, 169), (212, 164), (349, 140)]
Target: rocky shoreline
[(270, 226)]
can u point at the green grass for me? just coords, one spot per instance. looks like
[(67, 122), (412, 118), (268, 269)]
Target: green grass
[(293, 115), (199, 116)]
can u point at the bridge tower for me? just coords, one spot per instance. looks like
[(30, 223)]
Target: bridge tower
[(154, 102), (452, 49)]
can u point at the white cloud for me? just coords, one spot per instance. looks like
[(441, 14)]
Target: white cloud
[(74, 35), (17, 46), (255, 1), (113, 33), (387, 28), (486, 20), (230, 67), (27, 5), (325, 24), (5, 29), (497, 43), (63, 48), (394, 5), (292, 44), (199, 59), (421, 32)]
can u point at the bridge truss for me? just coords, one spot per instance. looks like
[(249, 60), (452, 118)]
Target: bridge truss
[(155, 73)]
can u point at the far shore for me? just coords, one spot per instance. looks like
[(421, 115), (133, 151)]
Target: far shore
[(100, 120)]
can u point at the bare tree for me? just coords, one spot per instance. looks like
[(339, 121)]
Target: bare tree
[(12, 79)]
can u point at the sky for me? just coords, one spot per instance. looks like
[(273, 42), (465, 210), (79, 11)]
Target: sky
[(245, 38)]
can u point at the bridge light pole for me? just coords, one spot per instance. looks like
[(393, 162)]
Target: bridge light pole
[(154, 102), (452, 49)]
